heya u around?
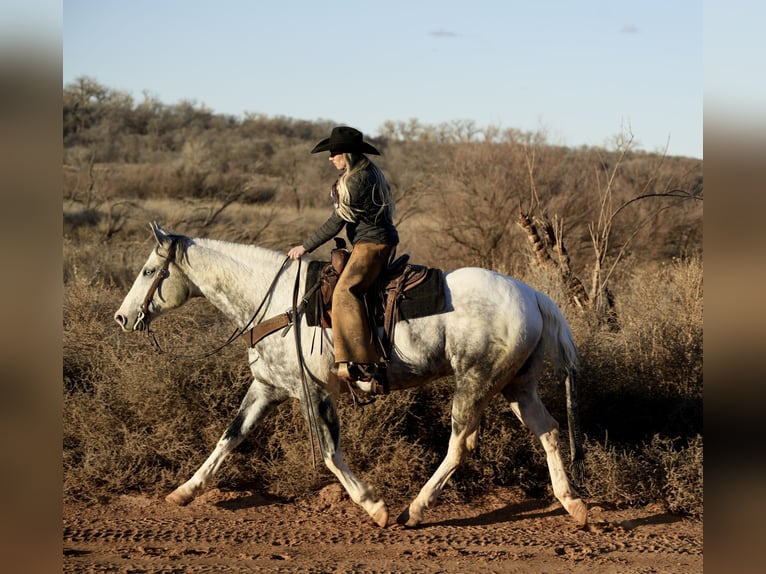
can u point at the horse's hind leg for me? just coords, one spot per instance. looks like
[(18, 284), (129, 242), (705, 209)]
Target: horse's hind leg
[(258, 401), (528, 407), (325, 415), (466, 416)]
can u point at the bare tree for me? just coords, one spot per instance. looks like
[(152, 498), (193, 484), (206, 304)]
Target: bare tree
[(484, 186), (546, 234)]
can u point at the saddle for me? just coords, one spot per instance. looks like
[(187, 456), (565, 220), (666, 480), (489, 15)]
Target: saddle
[(404, 291)]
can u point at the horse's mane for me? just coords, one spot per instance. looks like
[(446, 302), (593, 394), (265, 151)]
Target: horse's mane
[(245, 253)]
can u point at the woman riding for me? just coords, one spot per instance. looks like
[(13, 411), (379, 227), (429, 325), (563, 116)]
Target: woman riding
[(364, 205)]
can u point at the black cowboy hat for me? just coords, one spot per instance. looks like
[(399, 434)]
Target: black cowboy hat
[(344, 139)]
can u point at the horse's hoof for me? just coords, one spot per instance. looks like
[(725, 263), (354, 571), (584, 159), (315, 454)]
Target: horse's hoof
[(178, 499), (408, 520), (380, 516), (579, 511)]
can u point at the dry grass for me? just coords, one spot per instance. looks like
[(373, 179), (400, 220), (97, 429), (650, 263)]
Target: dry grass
[(135, 420), (661, 470)]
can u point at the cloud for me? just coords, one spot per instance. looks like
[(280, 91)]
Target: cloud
[(441, 33), (629, 29)]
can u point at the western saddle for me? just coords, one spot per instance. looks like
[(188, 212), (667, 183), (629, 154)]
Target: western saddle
[(405, 291)]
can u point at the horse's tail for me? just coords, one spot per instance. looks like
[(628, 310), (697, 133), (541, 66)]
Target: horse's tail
[(561, 349)]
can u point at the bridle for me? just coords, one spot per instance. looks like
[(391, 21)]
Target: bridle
[(164, 273), (289, 317)]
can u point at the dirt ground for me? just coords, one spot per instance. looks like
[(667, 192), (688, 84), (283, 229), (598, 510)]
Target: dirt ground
[(245, 531)]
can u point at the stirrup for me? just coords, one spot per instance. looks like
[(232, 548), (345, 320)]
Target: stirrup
[(366, 378)]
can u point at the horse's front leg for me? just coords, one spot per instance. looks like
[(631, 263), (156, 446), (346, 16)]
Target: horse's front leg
[(258, 401), (321, 409)]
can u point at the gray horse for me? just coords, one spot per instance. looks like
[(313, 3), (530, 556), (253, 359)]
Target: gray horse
[(493, 338)]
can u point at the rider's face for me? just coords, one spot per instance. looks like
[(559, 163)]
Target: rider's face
[(338, 160)]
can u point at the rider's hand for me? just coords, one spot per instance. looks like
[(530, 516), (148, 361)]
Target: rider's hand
[(296, 252)]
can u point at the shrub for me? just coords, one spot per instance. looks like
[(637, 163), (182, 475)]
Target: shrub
[(662, 470)]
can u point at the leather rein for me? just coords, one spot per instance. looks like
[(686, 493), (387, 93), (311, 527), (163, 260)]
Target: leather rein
[(254, 334), (251, 335)]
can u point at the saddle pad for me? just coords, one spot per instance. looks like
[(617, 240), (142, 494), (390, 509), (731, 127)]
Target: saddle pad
[(425, 299)]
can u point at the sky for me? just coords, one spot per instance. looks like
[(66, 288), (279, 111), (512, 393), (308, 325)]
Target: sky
[(582, 72)]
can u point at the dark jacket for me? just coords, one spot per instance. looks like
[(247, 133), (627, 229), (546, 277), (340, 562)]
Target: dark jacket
[(370, 224)]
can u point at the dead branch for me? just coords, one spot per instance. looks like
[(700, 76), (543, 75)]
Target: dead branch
[(552, 240), (115, 218), (576, 289), (214, 212), (537, 242)]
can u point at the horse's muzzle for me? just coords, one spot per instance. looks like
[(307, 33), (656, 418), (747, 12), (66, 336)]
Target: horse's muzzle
[(139, 325)]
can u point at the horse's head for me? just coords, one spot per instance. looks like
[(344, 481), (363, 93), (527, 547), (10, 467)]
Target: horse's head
[(159, 287)]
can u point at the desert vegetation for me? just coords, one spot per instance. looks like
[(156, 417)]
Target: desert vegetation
[(613, 235)]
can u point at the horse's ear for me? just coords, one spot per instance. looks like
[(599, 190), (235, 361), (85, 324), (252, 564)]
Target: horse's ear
[(159, 234)]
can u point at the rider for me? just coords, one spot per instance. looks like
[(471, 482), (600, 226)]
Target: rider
[(364, 205)]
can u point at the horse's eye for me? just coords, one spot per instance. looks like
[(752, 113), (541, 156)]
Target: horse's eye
[(148, 272)]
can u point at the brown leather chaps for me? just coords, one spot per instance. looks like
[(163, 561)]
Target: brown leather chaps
[(353, 339)]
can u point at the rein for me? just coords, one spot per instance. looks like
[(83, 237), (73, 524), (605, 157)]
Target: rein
[(255, 333), (164, 272), (310, 406)]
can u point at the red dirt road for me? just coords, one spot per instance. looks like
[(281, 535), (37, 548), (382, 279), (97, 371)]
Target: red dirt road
[(247, 532)]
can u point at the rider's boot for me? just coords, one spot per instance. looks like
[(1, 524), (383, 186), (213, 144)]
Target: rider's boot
[(368, 378)]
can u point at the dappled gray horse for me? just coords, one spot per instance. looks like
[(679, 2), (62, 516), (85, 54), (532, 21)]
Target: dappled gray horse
[(493, 337)]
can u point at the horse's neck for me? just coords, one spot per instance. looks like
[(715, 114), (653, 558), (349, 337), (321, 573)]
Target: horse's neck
[(236, 277)]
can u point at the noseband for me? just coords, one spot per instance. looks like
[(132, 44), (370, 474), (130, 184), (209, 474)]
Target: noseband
[(161, 274)]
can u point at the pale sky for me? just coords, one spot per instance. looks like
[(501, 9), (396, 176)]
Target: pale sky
[(581, 71)]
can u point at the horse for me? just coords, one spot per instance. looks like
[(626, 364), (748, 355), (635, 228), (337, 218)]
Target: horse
[(493, 337)]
